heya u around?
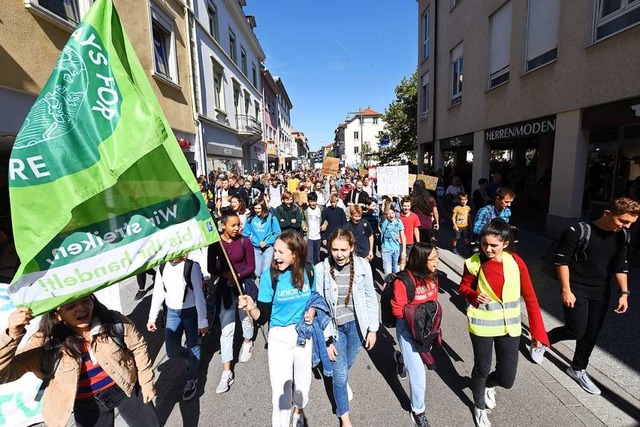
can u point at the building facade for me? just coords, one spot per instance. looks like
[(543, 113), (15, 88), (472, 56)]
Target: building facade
[(361, 133), (302, 150), (270, 109), (227, 60), (287, 151), (545, 101)]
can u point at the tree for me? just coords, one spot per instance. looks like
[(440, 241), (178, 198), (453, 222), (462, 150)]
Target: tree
[(401, 117)]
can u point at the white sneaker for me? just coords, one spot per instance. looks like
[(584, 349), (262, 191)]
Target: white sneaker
[(584, 380), (297, 420), (481, 417), (225, 382), (537, 354), (349, 393), (245, 352), (490, 397)]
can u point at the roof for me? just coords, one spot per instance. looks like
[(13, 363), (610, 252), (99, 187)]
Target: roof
[(369, 112)]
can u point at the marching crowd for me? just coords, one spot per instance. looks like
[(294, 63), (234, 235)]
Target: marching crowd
[(295, 254)]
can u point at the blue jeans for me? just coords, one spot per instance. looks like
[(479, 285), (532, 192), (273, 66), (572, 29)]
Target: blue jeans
[(228, 328), (313, 254), (415, 367), (390, 261), (178, 321), (348, 345), (263, 259)]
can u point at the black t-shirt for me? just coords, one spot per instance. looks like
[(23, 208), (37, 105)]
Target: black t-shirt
[(606, 255), (361, 232)]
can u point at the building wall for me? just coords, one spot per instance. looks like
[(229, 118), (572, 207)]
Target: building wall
[(25, 71), (584, 74)]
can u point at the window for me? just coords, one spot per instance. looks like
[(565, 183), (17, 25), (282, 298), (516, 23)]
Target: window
[(256, 107), (164, 55), (67, 13), (232, 47), (254, 75), (236, 99), (218, 85), (247, 103), (426, 41), (243, 61), (375, 120), (356, 150), (542, 32), (456, 74), (424, 95), (613, 16), (499, 45), (212, 13), (356, 135)]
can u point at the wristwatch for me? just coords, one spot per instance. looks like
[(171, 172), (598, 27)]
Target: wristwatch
[(625, 292)]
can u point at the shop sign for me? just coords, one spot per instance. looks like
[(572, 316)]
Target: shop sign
[(224, 150), (455, 142), (543, 126)]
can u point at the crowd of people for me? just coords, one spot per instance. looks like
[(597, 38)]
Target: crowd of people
[(295, 254)]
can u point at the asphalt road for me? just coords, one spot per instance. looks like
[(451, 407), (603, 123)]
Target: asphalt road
[(541, 396)]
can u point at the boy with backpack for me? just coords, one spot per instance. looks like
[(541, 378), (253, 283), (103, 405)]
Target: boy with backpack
[(587, 256), (312, 224), (461, 220), (179, 283)]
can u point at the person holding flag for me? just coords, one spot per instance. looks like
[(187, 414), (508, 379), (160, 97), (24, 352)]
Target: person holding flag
[(92, 360)]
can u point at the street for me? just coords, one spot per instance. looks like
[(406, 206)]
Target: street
[(543, 395)]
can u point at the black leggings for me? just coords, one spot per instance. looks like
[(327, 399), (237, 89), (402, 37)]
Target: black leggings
[(506, 364), (583, 322)]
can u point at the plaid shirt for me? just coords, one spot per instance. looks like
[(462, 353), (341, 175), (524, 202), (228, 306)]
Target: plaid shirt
[(486, 214)]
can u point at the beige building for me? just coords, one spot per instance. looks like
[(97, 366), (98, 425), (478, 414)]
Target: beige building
[(543, 92), (32, 34)]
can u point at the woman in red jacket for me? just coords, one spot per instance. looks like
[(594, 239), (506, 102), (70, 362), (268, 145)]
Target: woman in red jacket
[(492, 283), (421, 266)]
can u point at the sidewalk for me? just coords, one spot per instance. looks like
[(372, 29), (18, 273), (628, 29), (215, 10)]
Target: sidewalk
[(615, 363)]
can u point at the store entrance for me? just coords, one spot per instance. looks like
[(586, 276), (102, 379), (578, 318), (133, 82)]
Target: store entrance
[(525, 167)]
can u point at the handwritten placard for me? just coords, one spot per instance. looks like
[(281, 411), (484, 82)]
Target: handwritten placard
[(393, 180)]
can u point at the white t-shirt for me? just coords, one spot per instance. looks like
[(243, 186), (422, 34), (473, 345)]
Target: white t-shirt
[(313, 222), (275, 196)]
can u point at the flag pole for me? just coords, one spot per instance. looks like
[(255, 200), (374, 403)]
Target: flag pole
[(235, 277)]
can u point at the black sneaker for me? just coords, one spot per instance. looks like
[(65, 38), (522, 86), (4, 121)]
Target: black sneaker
[(400, 369), (190, 389), (139, 295), (419, 420)]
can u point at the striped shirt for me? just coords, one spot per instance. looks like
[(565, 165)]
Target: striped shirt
[(345, 313), (92, 377)]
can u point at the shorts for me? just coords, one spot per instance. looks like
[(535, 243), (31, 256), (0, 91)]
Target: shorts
[(462, 232)]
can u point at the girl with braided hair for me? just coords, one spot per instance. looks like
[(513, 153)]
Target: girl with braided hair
[(346, 282)]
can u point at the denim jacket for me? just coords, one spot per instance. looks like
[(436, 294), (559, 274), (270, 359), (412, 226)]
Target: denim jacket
[(316, 330), (365, 298)]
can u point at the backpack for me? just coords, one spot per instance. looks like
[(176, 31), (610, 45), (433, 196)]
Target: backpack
[(387, 317), (580, 254), (308, 269), (52, 354), (423, 322)]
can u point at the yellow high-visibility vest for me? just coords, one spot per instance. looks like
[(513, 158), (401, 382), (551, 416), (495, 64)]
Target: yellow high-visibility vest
[(499, 317)]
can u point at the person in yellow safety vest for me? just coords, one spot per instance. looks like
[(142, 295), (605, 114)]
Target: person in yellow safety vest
[(492, 283)]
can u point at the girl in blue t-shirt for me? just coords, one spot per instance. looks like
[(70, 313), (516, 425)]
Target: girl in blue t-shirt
[(283, 306), (393, 241)]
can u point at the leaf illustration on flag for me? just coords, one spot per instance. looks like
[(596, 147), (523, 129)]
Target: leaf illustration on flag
[(99, 188)]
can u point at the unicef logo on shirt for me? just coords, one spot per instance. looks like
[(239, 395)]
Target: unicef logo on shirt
[(76, 111)]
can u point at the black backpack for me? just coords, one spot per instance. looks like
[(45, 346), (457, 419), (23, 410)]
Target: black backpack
[(387, 317), (52, 354), (580, 254), (188, 267)]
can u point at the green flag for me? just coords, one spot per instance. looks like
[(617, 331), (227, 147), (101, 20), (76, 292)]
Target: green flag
[(99, 188)]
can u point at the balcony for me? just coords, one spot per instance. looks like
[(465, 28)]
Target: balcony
[(248, 125)]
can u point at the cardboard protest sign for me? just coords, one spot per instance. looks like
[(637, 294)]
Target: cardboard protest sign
[(300, 197), (431, 182), (330, 166), (99, 188)]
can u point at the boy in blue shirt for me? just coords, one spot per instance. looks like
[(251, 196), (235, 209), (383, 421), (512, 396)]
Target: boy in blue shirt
[(393, 241)]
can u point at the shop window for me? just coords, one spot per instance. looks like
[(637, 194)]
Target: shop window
[(542, 32), (500, 46), (457, 71), (613, 16)]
